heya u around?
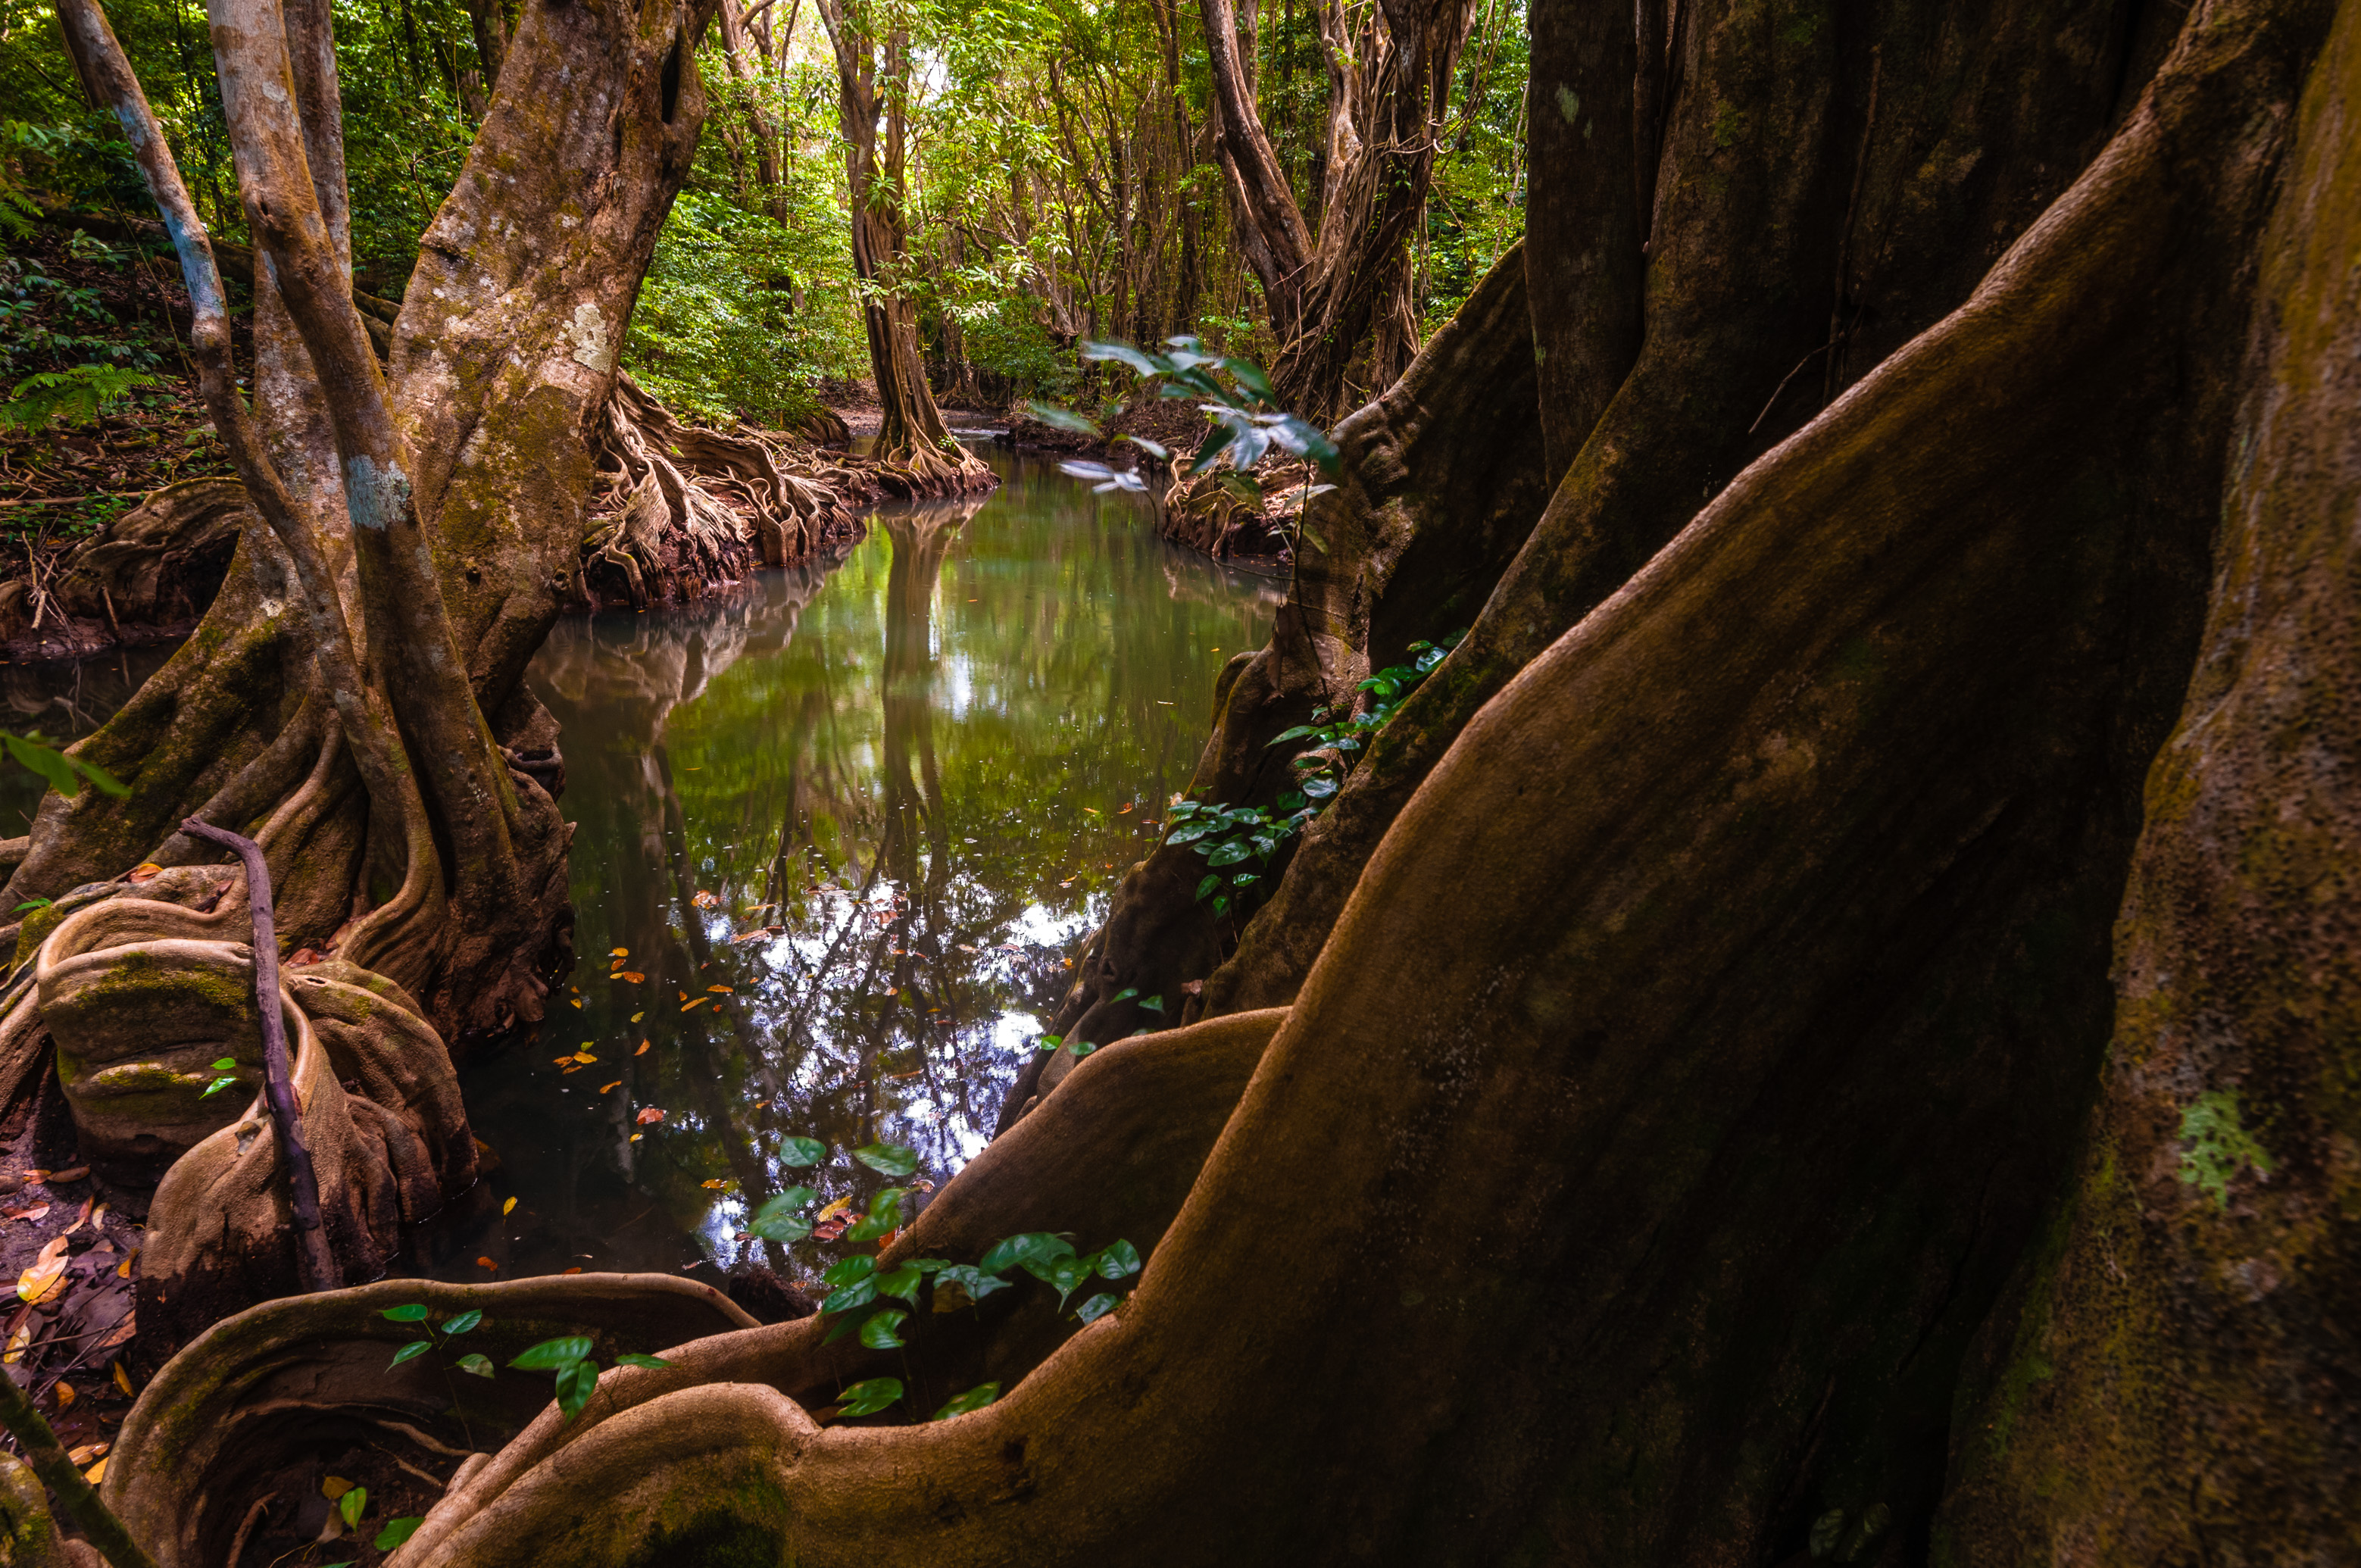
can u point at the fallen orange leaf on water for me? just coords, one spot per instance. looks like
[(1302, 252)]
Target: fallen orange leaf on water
[(698, 1003), (487, 1263), (584, 1058), (716, 1185), (642, 1050), (637, 1016), (653, 1114), (578, 1001), (509, 1207), (629, 976), (575, 1269), (618, 1083), (620, 953), (722, 989), (704, 900)]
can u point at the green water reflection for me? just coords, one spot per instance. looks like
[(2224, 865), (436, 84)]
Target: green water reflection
[(874, 802)]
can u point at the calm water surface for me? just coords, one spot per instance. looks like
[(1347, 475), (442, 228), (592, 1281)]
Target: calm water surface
[(835, 834)]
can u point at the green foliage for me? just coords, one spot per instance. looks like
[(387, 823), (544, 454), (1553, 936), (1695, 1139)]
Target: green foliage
[(1231, 836), (76, 396), (861, 1297), (574, 1369), (741, 314), (1238, 403), (60, 771)]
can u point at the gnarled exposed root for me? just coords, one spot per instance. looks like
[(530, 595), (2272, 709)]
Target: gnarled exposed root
[(147, 575), (220, 1425), (1111, 1155), (685, 507)]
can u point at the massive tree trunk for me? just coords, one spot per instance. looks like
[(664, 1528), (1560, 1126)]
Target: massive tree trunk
[(1823, 192), (1685, 1080), (1390, 74), (353, 697), (873, 69)]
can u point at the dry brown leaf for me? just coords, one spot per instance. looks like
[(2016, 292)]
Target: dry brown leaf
[(76, 1174), (82, 1218), (88, 1451), (95, 1473), (145, 871), (333, 1487), (64, 1396), (35, 1212), (123, 1380)]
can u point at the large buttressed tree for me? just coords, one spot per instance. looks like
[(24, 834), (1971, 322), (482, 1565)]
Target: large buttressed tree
[(353, 699), (1660, 1161), (876, 77)]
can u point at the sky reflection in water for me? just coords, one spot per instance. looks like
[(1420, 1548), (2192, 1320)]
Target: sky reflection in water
[(875, 803)]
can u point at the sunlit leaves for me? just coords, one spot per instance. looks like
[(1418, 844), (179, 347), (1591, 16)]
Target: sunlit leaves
[(869, 1398)]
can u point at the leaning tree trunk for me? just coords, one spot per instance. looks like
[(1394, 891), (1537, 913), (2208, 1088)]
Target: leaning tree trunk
[(1819, 194), (873, 67), (1685, 1078), (353, 698), (1389, 76)]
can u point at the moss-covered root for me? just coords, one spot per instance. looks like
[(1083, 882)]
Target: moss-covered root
[(2179, 1380), (255, 1393), (28, 1532)]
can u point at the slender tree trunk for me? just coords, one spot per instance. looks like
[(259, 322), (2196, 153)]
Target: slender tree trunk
[(873, 71)]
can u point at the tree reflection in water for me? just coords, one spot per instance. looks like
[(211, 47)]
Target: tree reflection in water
[(876, 803)]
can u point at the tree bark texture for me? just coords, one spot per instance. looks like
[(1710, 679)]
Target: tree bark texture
[(352, 701), (1327, 282), (1685, 1078), (2174, 1376), (1825, 193)]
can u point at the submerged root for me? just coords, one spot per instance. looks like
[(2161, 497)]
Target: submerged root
[(686, 507)]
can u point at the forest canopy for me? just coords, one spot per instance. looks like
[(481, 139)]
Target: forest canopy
[(1063, 179)]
